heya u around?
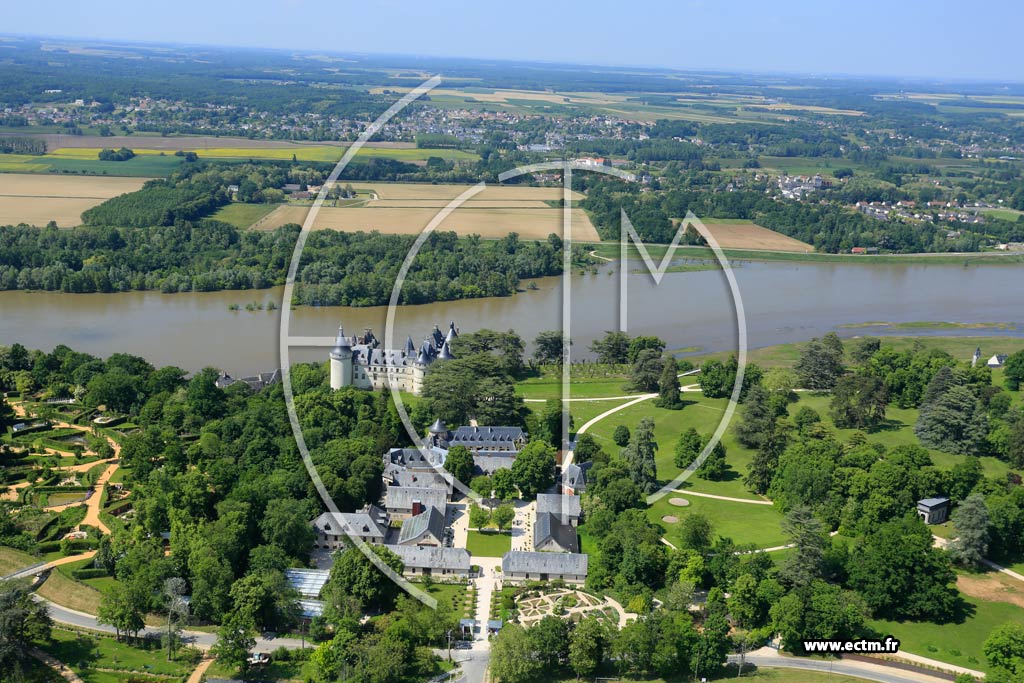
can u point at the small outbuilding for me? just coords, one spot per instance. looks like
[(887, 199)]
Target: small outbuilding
[(933, 510)]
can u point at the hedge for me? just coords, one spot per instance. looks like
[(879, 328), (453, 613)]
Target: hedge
[(88, 573)]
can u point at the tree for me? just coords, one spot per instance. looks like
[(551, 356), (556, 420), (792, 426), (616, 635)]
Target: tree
[(588, 449), (971, 522), (1004, 650), (547, 347), (478, 516), (744, 603), (695, 532), (1013, 371), (952, 421), (177, 605), (513, 658), (901, 575), (688, 447), (503, 516), (285, 523), (644, 343), (235, 638), (504, 483), (122, 608), (646, 370), (712, 647), (587, 645), (757, 418), (353, 574), (22, 621), (639, 456), (550, 639), (621, 435), (807, 534), (820, 363), (459, 462), (534, 468), (859, 402), (612, 349), (205, 400), (668, 386)]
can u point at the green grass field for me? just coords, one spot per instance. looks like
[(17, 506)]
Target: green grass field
[(242, 215), (86, 653), (487, 544), (756, 525), (955, 643)]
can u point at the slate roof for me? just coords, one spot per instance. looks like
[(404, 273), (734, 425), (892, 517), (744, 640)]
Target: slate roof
[(402, 497), (487, 437), (575, 476), (548, 528), (420, 557), (422, 526), (488, 464), (933, 502), (413, 458), (370, 522), (522, 562), (566, 507), (430, 479)]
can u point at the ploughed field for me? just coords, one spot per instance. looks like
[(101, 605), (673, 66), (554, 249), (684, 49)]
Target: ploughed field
[(407, 208)]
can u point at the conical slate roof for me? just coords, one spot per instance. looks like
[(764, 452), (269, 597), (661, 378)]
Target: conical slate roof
[(439, 427), (446, 352), (452, 333), (341, 344), (410, 347)]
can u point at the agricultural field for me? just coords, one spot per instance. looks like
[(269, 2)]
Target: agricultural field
[(242, 215), (326, 153), (406, 208), (740, 234), (37, 200)]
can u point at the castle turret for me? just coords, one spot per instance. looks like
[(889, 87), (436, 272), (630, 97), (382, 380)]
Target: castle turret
[(452, 333), (341, 361), (446, 352), (410, 347)]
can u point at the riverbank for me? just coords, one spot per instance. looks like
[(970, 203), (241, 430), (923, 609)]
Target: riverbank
[(611, 250)]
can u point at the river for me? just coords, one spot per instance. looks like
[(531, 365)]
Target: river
[(784, 302)]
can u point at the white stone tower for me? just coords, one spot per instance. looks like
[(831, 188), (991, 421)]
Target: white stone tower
[(341, 361)]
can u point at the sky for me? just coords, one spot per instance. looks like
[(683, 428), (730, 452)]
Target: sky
[(938, 39)]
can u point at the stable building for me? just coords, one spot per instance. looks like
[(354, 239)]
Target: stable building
[(519, 566), (431, 561)]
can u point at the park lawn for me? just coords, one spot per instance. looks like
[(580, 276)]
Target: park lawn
[(86, 652), (746, 524), (551, 387), (242, 215), (12, 560), (703, 414), (488, 544), (955, 643), (453, 594), (898, 432)]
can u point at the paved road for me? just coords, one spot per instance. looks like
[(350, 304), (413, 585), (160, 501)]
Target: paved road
[(769, 659), (199, 639)]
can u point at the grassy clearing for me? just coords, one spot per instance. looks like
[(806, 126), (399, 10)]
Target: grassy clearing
[(488, 544), (756, 525), (12, 560), (955, 643), (320, 153), (275, 671), (242, 215)]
